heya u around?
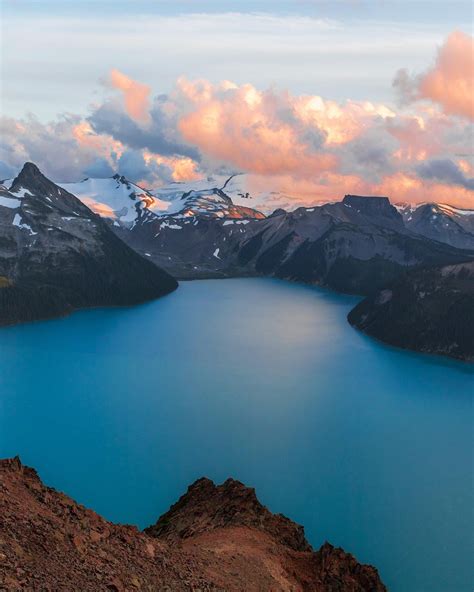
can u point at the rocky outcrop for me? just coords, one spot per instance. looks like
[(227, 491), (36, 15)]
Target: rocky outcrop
[(215, 538), (58, 256), (376, 208), (206, 507), (429, 310)]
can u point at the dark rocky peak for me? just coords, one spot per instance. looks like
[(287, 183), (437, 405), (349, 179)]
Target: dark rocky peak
[(220, 506), (277, 212), (366, 203), (375, 207), (30, 177), (31, 182)]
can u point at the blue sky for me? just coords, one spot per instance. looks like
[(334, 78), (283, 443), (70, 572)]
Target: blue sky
[(55, 53)]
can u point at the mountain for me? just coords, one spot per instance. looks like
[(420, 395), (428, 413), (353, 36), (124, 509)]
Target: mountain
[(127, 204), (429, 310), (441, 222), (214, 538), (355, 245), (114, 198), (56, 255)]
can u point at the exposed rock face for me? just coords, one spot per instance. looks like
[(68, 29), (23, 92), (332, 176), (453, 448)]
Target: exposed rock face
[(378, 208), (207, 507), (213, 539), (57, 255), (429, 310)]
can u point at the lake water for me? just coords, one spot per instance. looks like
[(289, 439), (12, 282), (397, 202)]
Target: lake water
[(369, 447)]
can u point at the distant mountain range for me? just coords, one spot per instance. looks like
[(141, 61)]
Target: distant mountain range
[(56, 248)]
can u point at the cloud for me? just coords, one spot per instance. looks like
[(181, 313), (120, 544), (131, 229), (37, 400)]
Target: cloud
[(450, 82), (52, 146), (100, 169), (445, 171), (136, 95), (160, 135), (137, 166), (251, 130), (69, 149), (304, 146), (6, 171)]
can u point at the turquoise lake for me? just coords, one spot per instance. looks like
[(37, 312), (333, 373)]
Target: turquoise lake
[(369, 447)]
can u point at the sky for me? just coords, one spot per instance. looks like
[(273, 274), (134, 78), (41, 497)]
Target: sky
[(314, 98)]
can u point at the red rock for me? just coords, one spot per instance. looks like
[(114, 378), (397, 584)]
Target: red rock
[(214, 538)]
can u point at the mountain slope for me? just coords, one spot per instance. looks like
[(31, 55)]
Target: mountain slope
[(429, 310), (56, 255), (214, 541), (441, 222)]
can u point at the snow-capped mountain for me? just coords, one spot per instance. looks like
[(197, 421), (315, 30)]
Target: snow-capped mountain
[(441, 222), (127, 204), (115, 197)]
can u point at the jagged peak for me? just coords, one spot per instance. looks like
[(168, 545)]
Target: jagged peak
[(30, 168), (29, 177)]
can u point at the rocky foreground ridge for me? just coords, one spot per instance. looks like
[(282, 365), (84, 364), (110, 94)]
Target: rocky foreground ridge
[(214, 538)]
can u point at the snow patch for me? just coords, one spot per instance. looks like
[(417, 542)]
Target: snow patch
[(170, 226), (19, 224), (21, 192), (9, 202)]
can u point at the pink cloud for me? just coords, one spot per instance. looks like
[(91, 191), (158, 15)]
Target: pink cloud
[(252, 130), (450, 82), (136, 95)]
